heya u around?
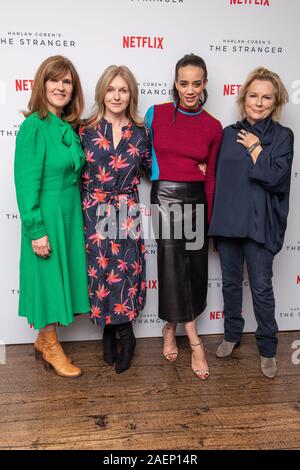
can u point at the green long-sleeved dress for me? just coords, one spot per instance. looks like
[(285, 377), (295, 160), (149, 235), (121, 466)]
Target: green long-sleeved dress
[(48, 161)]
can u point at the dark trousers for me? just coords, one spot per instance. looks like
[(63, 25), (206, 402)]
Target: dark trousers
[(259, 260)]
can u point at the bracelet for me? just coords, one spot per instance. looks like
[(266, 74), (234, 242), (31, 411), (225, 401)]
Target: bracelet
[(253, 146)]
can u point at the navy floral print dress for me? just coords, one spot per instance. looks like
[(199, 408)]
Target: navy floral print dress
[(116, 262)]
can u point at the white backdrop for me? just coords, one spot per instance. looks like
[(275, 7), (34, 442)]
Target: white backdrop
[(233, 36)]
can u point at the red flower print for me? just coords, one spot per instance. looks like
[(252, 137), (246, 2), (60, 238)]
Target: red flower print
[(135, 180), (102, 292), (131, 203), (132, 291), (133, 151), (122, 265), (137, 266), (115, 247), (81, 131), (89, 156), (107, 320), (102, 142), (131, 314), (102, 261), (117, 163), (99, 195), (86, 177), (127, 133), (121, 309), (112, 278), (86, 203), (96, 238), (128, 225), (103, 176), (95, 311), (108, 209), (92, 272)]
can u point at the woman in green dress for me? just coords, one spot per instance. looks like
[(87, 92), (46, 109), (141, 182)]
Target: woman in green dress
[(48, 162)]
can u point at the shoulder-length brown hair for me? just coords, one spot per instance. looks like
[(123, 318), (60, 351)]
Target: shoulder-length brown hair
[(53, 68), (101, 89), (281, 94)]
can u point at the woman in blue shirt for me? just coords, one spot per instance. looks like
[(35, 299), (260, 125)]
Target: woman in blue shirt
[(250, 209)]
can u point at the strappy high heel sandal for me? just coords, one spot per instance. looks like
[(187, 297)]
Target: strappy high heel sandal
[(172, 355), (202, 374)]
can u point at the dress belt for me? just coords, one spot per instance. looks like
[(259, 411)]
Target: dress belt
[(112, 197)]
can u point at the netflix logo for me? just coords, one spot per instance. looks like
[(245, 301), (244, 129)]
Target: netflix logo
[(144, 42), (219, 315), (298, 279), (262, 3), (151, 284), (24, 85), (231, 89)]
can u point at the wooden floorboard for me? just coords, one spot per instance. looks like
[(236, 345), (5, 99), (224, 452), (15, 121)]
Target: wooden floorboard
[(155, 404)]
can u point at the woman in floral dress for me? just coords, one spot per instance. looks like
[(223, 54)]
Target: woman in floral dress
[(115, 142)]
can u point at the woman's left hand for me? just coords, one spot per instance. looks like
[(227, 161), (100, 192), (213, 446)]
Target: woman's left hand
[(202, 167), (246, 138)]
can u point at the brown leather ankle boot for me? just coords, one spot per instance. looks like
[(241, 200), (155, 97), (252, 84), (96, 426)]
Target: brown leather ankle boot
[(39, 347), (54, 356)]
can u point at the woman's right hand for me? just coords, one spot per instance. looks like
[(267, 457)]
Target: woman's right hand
[(41, 247)]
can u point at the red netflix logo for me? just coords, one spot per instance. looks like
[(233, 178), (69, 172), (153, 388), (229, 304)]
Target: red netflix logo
[(151, 284), (262, 3), (24, 85), (298, 279), (219, 315), (231, 89), (142, 42)]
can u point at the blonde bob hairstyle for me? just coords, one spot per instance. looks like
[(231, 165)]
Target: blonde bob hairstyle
[(55, 68), (101, 89), (281, 94)]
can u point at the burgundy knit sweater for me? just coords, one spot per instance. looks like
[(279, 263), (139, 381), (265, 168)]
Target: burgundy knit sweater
[(179, 145)]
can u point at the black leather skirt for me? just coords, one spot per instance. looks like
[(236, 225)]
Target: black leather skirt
[(182, 262)]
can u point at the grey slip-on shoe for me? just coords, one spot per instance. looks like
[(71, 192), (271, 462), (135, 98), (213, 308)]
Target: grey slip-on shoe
[(226, 348), (268, 366)]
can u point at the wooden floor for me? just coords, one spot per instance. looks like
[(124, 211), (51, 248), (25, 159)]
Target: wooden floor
[(154, 405)]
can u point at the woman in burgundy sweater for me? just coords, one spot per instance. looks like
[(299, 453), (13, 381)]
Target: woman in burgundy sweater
[(185, 140)]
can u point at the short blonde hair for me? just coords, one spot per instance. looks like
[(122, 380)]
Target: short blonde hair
[(56, 67), (281, 94), (101, 89)]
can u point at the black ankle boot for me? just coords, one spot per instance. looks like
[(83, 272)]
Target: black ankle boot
[(110, 352), (128, 342)]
